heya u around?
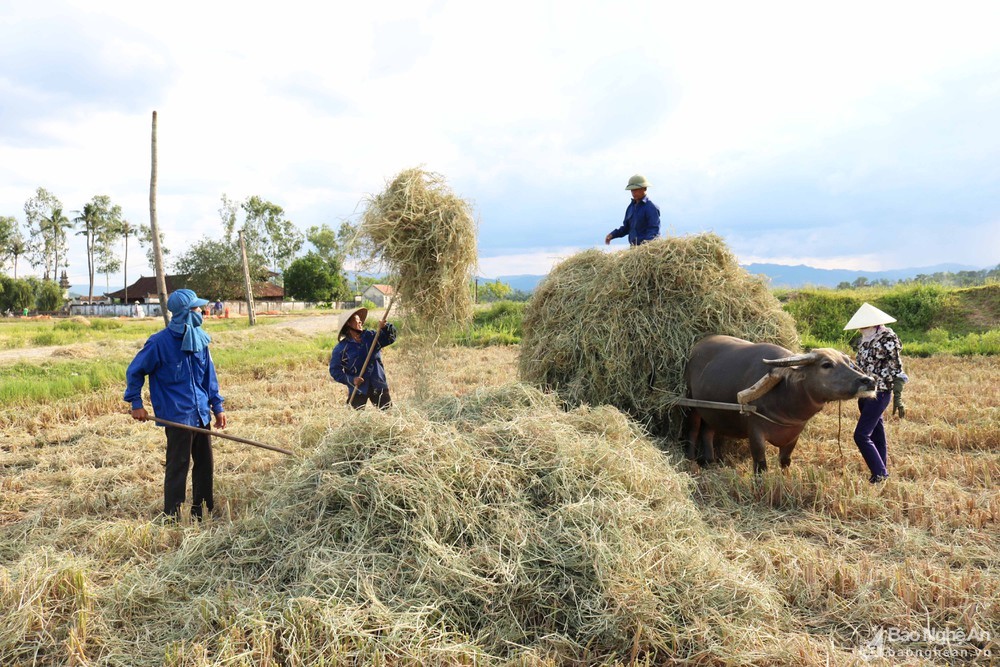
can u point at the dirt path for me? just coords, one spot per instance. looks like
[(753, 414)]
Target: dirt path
[(314, 324), (26, 354)]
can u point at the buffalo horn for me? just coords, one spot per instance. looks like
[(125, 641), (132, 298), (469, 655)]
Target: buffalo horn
[(794, 360), (761, 387)]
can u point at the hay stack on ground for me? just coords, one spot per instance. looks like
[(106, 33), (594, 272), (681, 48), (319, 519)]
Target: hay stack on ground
[(498, 528), (426, 237), (616, 328)]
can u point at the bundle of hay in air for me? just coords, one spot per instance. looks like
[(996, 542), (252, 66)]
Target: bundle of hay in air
[(426, 236), (616, 328)]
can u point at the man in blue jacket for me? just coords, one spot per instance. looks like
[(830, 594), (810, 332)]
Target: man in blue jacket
[(349, 356), (183, 388), (642, 217)]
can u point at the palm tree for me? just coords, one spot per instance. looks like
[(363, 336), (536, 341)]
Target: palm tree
[(57, 224), (90, 226), (126, 229), (17, 248)]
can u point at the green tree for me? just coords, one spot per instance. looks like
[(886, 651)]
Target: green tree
[(8, 229), (58, 224), (332, 245), (313, 278), (144, 233), (489, 292), (106, 255), (15, 295), (215, 268), (266, 231), (47, 227), (107, 260), (16, 248), (97, 222), (46, 294), (125, 230)]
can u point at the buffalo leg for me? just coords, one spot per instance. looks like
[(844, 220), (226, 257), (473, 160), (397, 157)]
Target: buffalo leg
[(707, 444), (719, 443), (758, 450), (785, 452), (693, 433)]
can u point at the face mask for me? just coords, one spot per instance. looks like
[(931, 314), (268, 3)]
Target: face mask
[(868, 333), (195, 318)]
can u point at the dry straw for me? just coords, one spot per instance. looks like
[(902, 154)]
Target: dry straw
[(426, 236), (616, 328), (491, 529)]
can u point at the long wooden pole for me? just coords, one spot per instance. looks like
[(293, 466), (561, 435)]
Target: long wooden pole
[(154, 230), (714, 405), (222, 435), (371, 350), (246, 281)]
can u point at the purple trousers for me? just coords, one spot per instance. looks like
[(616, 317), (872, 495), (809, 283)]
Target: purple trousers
[(869, 434)]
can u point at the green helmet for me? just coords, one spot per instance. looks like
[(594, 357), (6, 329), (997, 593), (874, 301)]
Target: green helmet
[(636, 182)]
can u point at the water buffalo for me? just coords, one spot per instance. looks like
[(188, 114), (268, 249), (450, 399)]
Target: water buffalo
[(787, 389)]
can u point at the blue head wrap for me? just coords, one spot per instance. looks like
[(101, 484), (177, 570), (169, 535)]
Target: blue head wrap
[(186, 319)]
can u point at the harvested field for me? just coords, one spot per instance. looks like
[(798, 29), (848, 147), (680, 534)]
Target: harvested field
[(489, 526)]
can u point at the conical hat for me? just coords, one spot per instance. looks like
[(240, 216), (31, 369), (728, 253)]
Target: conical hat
[(868, 316), (346, 316)]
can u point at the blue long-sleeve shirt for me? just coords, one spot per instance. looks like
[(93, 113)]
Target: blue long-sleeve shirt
[(183, 386), (349, 356), (642, 222)]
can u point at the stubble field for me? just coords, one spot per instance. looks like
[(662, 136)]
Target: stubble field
[(844, 572)]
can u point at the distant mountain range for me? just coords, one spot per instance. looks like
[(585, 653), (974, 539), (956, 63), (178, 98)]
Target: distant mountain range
[(807, 276), (800, 275)]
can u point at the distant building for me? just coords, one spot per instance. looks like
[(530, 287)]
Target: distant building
[(379, 294), (64, 285), (143, 290)]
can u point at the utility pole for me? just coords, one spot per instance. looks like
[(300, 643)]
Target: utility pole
[(246, 281), (161, 280)]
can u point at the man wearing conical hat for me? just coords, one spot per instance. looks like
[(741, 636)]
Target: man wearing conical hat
[(347, 362), (183, 388), (642, 216), (878, 356)]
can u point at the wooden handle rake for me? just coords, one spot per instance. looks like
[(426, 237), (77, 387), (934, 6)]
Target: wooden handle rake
[(219, 434)]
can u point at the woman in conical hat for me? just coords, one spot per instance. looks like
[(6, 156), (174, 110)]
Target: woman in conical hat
[(347, 362), (878, 356)]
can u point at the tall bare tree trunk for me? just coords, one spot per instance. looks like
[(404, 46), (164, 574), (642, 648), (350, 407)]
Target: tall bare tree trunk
[(161, 280)]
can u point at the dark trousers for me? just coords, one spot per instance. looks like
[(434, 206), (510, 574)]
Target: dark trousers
[(183, 448), (869, 434), (379, 397)]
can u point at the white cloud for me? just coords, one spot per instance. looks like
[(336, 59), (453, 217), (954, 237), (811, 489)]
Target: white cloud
[(782, 124)]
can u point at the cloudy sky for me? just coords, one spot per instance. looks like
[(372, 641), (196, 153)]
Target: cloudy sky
[(852, 135)]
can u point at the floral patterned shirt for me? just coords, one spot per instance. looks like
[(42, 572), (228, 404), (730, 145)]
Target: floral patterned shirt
[(880, 358)]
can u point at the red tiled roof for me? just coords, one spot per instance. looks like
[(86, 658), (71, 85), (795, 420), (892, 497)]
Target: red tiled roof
[(385, 289), (145, 288), (268, 291)]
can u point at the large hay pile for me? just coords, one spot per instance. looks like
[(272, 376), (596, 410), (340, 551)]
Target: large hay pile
[(426, 237), (616, 328), (499, 528)]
